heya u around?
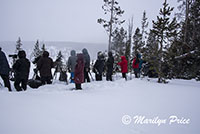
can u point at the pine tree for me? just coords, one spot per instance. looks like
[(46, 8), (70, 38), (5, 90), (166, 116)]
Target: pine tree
[(119, 42), (151, 55), (137, 42), (37, 51), (165, 31), (43, 48), (112, 8), (59, 62), (18, 45), (187, 47)]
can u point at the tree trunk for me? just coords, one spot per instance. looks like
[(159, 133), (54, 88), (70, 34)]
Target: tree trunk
[(111, 23)]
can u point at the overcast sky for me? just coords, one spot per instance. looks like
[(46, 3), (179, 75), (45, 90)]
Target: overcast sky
[(66, 20)]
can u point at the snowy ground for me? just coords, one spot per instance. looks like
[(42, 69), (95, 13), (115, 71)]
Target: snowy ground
[(99, 108)]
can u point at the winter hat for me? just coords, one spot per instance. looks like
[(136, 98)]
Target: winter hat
[(110, 54), (21, 54), (45, 54), (73, 53)]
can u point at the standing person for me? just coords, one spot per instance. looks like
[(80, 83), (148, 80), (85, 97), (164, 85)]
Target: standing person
[(44, 65), (21, 69), (99, 66), (4, 70), (87, 65), (71, 64), (135, 65), (124, 66), (79, 71), (109, 66)]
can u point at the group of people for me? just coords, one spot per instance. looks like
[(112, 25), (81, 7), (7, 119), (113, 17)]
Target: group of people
[(78, 66), (21, 68)]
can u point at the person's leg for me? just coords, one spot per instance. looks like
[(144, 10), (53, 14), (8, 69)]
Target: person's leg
[(6, 81), (17, 85), (24, 84), (48, 80), (100, 77), (72, 77), (125, 77), (43, 80), (87, 76)]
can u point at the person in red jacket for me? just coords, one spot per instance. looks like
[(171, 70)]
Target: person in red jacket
[(79, 71), (124, 66), (135, 65)]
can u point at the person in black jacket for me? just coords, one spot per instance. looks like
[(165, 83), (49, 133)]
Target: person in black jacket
[(99, 66), (4, 70), (44, 65), (109, 66), (21, 69)]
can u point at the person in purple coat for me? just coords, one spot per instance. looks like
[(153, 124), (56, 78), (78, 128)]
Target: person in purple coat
[(79, 71)]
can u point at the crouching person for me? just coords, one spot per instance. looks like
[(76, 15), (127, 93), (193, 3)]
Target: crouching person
[(21, 69), (79, 71), (44, 65)]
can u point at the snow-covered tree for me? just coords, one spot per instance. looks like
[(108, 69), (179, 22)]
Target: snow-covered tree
[(119, 42), (137, 42), (37, 51), (165, 31), (144, 27)]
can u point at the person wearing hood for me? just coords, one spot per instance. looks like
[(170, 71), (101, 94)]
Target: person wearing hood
[(71, 64), (44, 65), (109, 66), (4, 70), (99, 66), (124, 66), (79, 71), (87, 65), (21, 69), (135, 65)]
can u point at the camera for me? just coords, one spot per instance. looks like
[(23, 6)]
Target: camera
[(14, 56)]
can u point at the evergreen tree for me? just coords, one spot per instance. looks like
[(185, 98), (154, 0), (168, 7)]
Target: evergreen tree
[(151, 55), (18, 45), (165, 31), (112, 8), (137, 42), (119, 42), (43, 48), (37, 51)]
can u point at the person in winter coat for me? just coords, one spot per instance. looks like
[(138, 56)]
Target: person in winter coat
[(4, 70), (79, 71), (109, 66), (71, 64), (44, 65), (87, 65), (21, 69), (135, 65), (99, 66), (124, 66)]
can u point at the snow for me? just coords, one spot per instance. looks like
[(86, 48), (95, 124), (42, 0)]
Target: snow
[(100, 106)]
